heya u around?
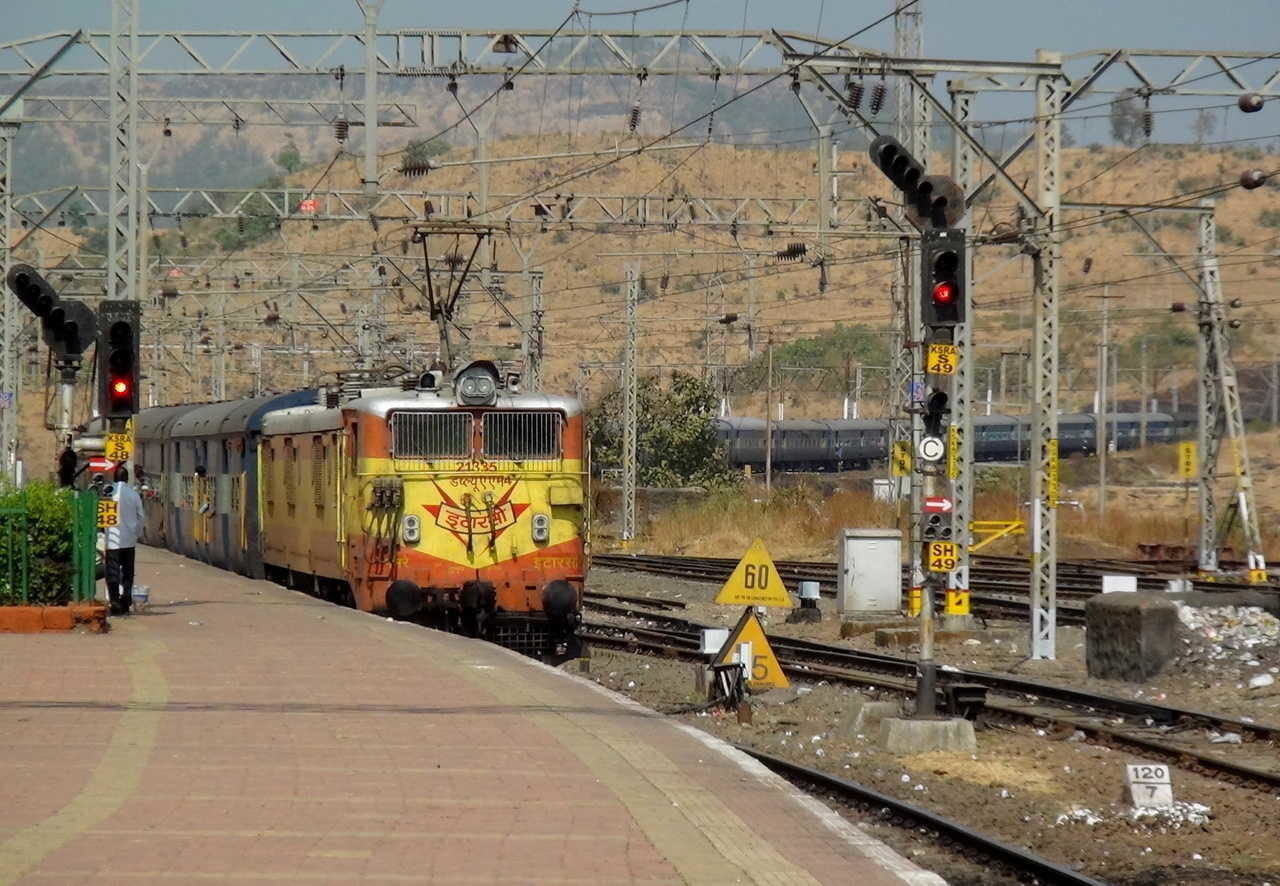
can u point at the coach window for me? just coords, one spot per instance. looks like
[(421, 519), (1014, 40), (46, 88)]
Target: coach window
[(317, 472), (269, 477), (290, 476)]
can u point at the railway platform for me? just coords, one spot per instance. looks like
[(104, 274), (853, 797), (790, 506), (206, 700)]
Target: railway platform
[(238, 730)]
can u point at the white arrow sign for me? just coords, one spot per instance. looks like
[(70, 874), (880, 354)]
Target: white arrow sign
[(938, 505)]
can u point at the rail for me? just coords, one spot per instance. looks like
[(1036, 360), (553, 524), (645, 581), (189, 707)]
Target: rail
[(1020, 860)]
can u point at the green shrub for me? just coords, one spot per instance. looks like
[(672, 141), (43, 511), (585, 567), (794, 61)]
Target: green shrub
[(1269, 218), (49, 530)]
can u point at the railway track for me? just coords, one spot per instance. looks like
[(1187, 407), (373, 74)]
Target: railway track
[(986, 605), (1077, 580), (1142, 725), (1017, 860)]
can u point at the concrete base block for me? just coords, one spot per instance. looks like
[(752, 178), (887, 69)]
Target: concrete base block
[(957, 623), (853, 627), (902, 736), (1129, 636), (864, 716)]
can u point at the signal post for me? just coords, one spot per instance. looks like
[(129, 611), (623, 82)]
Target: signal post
[(935, 204)]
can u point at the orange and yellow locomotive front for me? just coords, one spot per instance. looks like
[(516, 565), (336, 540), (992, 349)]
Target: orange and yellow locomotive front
[(471, 517)]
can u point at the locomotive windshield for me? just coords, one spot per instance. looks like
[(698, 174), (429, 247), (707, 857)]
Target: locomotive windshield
[(431, 435), (520, 436)]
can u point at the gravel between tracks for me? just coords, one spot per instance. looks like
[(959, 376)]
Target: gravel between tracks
[(1059, 796)]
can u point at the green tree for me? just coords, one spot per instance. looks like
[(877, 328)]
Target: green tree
[(676, 443), (289, 159), (256, 221), (834, 350)]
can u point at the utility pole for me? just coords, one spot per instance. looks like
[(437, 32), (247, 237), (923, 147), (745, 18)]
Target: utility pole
[(630, 407), (370, 9), (1220, 396), (1275, 393), (768, 422), (913, 132), (960, 466), (10, 322), (533, 335), (1144, 384), (1102, 410), (122, 224), (1050, 89)]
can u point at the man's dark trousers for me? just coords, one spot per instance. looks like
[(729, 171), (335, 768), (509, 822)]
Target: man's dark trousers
[(120, 578)]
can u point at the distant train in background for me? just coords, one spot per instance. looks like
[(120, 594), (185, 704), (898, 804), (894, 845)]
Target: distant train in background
[(842, 444)]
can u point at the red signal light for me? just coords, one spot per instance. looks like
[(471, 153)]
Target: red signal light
[(120, 386), (944, 293)]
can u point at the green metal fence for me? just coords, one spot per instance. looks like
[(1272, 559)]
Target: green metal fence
[(84, 544), (17, 565), (15, 556)]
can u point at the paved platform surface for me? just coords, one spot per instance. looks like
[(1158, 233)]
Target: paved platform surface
[(240, 731)]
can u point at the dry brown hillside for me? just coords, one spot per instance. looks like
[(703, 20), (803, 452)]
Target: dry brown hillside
[(783, 301)]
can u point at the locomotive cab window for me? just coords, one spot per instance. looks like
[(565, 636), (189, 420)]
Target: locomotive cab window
[(428, 435), (522, 436)]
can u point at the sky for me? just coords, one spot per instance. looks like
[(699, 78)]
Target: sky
[(953, 28), (1001, 29)]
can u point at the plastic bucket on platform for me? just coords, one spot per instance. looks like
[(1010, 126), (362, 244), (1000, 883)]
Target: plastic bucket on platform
[(141, 596)]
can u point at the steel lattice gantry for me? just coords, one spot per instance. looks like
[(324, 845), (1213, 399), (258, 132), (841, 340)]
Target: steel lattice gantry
[(218, 111), (772, 214), (418, 52)]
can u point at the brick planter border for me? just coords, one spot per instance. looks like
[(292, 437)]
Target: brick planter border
[(36, 619)]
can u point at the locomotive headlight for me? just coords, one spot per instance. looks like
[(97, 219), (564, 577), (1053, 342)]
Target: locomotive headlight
[(476, 389), (541, 531), (411, 529)]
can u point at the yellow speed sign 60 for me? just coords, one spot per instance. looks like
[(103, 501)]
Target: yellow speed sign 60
[(942, 556)]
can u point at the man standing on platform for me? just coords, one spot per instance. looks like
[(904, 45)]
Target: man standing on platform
[(122, 540)]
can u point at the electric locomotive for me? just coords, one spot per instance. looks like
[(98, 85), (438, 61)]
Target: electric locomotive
[(459, 503)]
